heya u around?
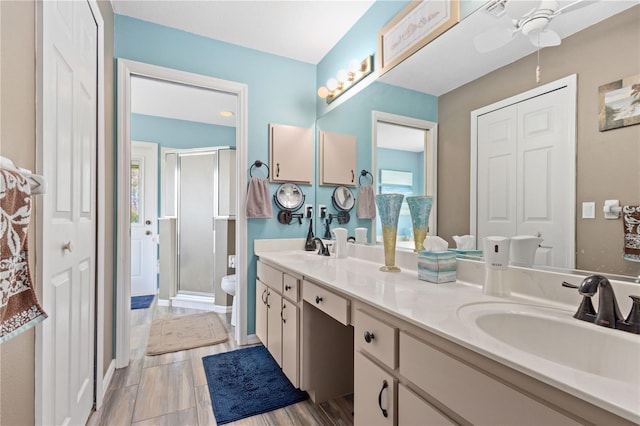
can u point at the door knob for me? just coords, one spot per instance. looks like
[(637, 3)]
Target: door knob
[(68, 246), (147, 222), (148, 233)]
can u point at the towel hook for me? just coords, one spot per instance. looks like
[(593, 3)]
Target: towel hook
[(364, 173), (258, 164)]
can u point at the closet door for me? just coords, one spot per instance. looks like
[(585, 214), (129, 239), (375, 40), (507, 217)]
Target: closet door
[(523, 175)]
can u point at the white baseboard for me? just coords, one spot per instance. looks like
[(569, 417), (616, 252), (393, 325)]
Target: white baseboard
[(106, 380), (164, 302), (221, 309), (193, 302), (252, 339)]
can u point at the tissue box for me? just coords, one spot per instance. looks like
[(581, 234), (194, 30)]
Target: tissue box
[(437, 266)]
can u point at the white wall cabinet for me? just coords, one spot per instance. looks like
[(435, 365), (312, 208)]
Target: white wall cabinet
[(338, 159), (291, 154)]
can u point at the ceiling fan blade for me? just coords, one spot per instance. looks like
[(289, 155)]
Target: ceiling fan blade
[(545, 38), (493, 39), (518, 9), (574, 6)]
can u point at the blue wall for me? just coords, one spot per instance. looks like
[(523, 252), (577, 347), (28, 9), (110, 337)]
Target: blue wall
[(280, 90), (181, 134)]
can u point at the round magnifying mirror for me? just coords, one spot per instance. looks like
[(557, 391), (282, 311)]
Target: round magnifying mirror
[(289, 196), (343, 198)]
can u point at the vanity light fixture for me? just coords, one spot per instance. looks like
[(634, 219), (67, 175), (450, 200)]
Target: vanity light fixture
[(345, 79)]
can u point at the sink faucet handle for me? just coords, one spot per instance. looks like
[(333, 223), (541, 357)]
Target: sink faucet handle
[(586, 311), (633, 319)]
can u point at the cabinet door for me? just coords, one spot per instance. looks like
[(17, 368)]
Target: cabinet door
[(290, 352), (261, 311), (413, 410), (373, 394), (338, 159), (274, 329), (291, 154)]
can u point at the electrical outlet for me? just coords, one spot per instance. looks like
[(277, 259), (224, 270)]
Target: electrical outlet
[(232, 261), (322, 209)]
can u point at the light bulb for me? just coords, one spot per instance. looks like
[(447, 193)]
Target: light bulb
[(323, 92), (354, 66), (343, 76), (332, 84)]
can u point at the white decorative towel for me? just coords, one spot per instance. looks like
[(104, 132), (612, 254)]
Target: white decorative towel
[(259, 199), (19, 307), (366, 208), (631, 222)]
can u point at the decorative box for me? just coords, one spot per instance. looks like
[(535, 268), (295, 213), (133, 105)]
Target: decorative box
[(437, 266)]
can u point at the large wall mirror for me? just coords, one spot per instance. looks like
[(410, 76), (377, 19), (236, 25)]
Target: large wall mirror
[(456, 88)]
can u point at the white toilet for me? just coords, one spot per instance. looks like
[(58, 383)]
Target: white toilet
[(228, 285)]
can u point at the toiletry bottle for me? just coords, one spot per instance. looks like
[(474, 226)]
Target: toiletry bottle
[(310, 243), (496, 260)]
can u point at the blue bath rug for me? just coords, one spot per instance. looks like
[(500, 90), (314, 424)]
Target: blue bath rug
[(247, 382), (141, 302)]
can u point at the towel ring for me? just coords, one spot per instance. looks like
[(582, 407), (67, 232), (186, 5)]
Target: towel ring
[(364, 173), (258, 163)]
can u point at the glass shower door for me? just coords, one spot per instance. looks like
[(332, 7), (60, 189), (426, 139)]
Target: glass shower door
[(195, 223)]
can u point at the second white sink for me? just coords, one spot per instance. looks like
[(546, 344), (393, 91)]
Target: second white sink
[(556, 336)]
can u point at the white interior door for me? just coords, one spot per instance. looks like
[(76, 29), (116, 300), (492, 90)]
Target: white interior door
[(68, 218), (524, 153), (144, 217)]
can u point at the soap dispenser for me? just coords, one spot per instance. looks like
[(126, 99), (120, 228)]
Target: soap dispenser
[(496, 260), (310, 243)]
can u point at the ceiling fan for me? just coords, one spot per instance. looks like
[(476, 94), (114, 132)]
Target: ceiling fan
[(527, 17)]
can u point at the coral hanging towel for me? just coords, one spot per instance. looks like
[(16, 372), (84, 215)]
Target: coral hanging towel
[(631, 222), (19, 307), (258, 199)]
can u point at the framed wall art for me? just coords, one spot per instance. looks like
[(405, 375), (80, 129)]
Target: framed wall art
[(414, 27), (619, 103)]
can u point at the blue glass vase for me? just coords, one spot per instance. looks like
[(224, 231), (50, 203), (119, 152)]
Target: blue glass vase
[(420, 209), (389, 210)]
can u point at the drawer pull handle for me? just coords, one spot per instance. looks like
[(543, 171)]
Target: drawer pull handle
[(268, 294), (368, 337), (284, 320), (384, 386), (264, 296), (287, 287), (318, 299)]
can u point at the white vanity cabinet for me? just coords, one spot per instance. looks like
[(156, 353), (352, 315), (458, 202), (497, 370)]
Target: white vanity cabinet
[(338, 159), (278, 318), (291, 154)]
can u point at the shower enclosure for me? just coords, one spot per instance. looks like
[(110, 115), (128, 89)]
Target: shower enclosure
[(198, 189)]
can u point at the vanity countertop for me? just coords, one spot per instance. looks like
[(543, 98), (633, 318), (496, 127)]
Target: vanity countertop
[(435, 308)]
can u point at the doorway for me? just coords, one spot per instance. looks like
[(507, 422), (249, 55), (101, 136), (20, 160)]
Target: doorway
[(126, 70)]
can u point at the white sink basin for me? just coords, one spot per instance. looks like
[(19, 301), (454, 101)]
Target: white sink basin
[(556, 336)]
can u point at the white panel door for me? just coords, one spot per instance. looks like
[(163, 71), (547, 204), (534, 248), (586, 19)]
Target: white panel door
[(144, 217), (523, 175), (68, 211), (497, 134), (543, 177)]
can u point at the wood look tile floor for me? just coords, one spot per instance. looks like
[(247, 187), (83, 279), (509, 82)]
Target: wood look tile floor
[(171, 389)]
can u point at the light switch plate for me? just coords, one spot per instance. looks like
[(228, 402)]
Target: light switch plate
[(589, 210)]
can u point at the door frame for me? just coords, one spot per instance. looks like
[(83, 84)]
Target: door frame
[(127, 68), (571, 83), (101, 381)]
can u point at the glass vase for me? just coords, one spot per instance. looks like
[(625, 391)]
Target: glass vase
[(420, 209), (389, 210)]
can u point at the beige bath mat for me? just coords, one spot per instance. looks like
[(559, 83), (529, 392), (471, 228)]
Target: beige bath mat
[(185, 332)]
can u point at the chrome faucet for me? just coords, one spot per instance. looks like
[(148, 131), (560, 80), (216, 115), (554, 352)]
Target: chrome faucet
[(608, 313), (323, 250)]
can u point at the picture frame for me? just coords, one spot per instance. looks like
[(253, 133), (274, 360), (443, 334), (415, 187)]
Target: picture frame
[(619, 103), (413, 28)]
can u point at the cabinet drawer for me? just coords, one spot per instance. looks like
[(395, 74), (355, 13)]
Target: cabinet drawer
[(270, 276), (414, 411), (376, 338), (330, 303), (374, 400), (475, 396), (290, 287)]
